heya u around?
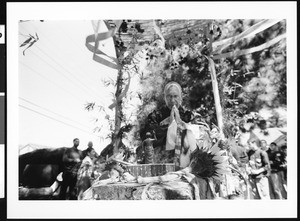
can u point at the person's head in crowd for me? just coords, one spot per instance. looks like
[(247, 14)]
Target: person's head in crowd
[(273, 146), (173, 95), (91, 153), (238, 140), (90, 144), (254, 143), (284, 148), (262, 124), (263, 145), (100, 163), (101, 160), (76, 142), (122, 148), (148, 135)]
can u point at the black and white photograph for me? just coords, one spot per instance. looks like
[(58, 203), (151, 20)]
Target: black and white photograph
[(126, 103)]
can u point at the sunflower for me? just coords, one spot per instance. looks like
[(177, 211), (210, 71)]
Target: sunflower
[(210, 163)]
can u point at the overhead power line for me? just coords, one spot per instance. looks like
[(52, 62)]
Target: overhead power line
[(53, 112), (83, 86), (79, 82), (62, 122), (54, 68), (39, 74), (75, 44)]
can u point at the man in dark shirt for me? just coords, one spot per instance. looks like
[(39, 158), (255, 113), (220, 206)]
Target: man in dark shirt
[(271, 148), (284, 166), (259, 169), (277, 162), (71, 164)]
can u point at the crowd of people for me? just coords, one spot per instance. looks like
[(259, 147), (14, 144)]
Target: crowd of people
[(262, 165), (264, 169), (78, 170), (259, 169)]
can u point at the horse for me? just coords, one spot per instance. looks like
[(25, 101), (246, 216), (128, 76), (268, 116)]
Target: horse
[(40, 168)]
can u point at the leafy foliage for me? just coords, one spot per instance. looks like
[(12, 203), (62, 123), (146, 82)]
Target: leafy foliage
[(29, 42), (246, 83)]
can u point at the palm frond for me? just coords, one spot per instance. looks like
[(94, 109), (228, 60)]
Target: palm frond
[(26, 42)]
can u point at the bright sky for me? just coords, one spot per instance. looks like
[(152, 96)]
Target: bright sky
[(57, 77)]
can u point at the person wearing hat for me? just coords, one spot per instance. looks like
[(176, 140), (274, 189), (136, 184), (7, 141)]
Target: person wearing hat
[(258, 169)]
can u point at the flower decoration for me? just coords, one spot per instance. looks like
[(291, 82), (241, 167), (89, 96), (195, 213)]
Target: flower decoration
[(183, 54), (174, 65), (252, 120), (185, 47), (176, 56), (155, 50), (211, 164)]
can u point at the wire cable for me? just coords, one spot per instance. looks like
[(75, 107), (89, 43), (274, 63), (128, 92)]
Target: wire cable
[(73, 42), (79, 82), (53, 112), (54, 68), (37, 112), (39, 74)]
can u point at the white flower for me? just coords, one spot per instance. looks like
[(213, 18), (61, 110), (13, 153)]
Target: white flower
[(150, 50), (158, 50), (177, 50), (176, 56), (184, 54), (185, 48), (192, 54), (157, 43)]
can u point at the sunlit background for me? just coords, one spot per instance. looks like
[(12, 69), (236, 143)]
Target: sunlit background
[(57, 78)]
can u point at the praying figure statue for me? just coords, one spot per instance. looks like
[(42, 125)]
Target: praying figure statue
[(148, 149)]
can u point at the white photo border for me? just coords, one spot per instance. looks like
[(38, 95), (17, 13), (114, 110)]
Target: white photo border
[(146, 209)]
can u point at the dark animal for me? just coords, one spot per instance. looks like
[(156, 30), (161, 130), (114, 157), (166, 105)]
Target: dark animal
[(40, 175), (39, 168)]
